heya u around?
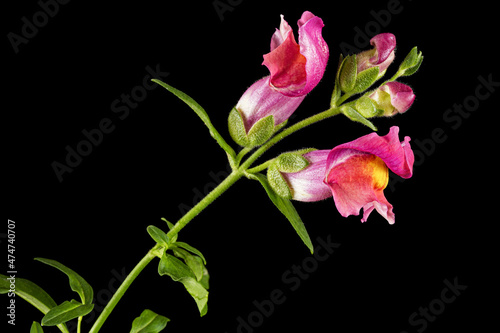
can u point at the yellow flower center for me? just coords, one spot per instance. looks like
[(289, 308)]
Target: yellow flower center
[(380, 173)]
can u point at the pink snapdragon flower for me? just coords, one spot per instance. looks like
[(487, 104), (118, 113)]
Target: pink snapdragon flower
[(295, 69), (357, 172), (381, 55), (354, 173), (393, 98)]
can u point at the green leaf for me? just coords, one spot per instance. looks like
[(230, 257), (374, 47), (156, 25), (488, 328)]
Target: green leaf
[(286, 207), (36, 328), (204, 281), (149, 322), (365, 106), (195, 263), (191, 249), (356, 116), (198, 292), (158, 236), (179, 271), (31, 293), (365, 79), (261, 131), (291, 162), (170, 226), (337, 92), (201, 113), (410, 60), (348, 74), (237, 128), (278, 183), (415, 68), (65, 312), (76, 282), (173, 267)]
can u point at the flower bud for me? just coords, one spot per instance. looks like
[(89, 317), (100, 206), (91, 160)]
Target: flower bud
[(382, 55), (359, 71), (295, 69), (393, 98), (260, 112)]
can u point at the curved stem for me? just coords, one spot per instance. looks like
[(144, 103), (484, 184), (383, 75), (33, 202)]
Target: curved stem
[(123, 288), (290, 130), (216, 192)]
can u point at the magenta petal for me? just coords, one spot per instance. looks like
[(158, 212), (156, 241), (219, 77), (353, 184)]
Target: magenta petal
[(260, 101), (297, 68), (281, 34), (402, 96), (384, 44), (397, 155), (314, 48)]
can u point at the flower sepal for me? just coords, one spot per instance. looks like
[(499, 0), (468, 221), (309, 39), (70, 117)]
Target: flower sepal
[(260, 132), (290, 162), (354, 115), (354, 82), (411, 63)]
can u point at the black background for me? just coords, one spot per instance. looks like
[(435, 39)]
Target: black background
[(160, 157)]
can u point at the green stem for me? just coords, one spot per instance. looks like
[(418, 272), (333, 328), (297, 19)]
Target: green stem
[(290, 130), (216, 192), (123, 288), (260, 167), (79, 327)]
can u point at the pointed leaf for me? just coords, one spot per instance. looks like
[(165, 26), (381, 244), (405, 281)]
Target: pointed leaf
[(173, 267), (195, 263), (76, 282), (201, 113), (365, 79), (149, 322), (178, 271), (336, 90), (291, 162), (198, 292), (278, 182), (410, 60), (356, 116), (191, 249), (365, 106), (170, 226), (65, 312), (36, 328), (237, 128), (158, 236), (31, 293), (348, 74), (415, 68), (286, 208), (261, 131)]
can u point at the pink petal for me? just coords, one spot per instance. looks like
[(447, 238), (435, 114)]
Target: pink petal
[(384, 44), (314, 48), (260, 101), (296, 70), (308, 184), (357, 181), (402, 96), (397, 155)]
